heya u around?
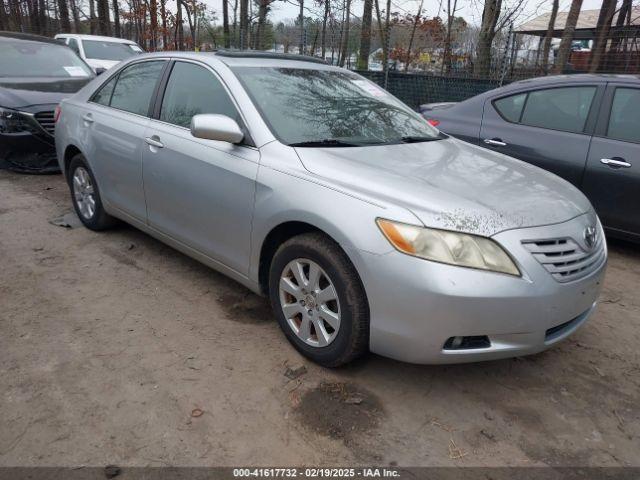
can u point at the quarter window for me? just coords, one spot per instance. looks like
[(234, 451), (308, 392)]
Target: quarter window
[(73, 45), (564, 108), (624, 121), (135, 85), (192, 90), (103, 96), (511, 107)]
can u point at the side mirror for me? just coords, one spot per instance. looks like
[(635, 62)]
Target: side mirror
[(216, 127), (100, 70)]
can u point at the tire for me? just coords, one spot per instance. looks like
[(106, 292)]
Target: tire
[(95, 218), (338, 278)]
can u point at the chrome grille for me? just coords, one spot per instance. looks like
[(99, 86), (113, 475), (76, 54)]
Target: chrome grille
[(45, 119), (565, 259)]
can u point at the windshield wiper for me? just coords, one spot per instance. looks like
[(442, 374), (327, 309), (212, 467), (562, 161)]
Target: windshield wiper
[(417, 139), (327, 142)]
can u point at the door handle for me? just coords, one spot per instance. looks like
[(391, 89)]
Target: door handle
[(154, 141), (615, 162), (88, 118), (495, 142)]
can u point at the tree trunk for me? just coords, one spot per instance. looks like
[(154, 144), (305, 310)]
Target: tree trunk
[(163, 17), (116, 19), (4, 24), (567, 36), (323, 41), (63, 10), (451, 16), (490, 16), (605, 18), (413, 34), (344, 49), (546, 48), (42, 18), (365, 36), (104, 23), (92, 17), (153, 24), (225, 24), (244, 23), (263, 9), (76, 16), (301, 20), (179, 26)]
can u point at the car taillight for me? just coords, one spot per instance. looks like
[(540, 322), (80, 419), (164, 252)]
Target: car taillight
[(56, 114), (433, 122)]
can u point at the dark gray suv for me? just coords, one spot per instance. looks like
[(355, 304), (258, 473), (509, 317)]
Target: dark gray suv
[(584, 128)]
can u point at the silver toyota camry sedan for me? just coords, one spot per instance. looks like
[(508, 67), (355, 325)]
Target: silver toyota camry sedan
[(367, 228)]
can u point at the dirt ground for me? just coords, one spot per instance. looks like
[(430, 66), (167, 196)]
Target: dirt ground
[(115, 349)]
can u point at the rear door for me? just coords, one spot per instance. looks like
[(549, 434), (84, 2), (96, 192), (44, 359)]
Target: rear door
[(547, 127), (612, 177), (116, 121)]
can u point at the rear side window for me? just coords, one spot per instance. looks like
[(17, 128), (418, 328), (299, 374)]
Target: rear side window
[(135, 85), (192, 90), (511, 107), (565, 108), (624, 121)]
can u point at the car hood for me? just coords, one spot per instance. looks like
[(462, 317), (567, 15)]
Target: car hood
[(25, 92), (450, 184)]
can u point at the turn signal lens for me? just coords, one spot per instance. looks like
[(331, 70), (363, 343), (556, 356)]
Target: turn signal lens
[(444, 246), (433, 122)]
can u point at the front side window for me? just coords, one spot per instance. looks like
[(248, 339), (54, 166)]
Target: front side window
[(565, 108), (624, 121), (192, 90), (100, 50), (20, 58), (331, 107), (135, 85)]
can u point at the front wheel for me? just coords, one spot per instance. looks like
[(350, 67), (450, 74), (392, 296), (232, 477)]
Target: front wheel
[(319, 300), (86, 196)]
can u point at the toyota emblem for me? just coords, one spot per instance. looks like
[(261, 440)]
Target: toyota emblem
[(590, 237)]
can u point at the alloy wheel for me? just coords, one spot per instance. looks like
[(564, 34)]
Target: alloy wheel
[(309, 302), (83, 192)]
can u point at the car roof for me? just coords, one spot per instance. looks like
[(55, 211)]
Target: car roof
[(27, 37), (94, 37), (249, 59), (573, 78)]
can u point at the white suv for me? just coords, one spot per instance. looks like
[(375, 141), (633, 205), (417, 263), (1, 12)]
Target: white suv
[(101, 53)]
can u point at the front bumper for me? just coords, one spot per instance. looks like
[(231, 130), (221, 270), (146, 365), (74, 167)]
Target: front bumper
[(417, 305), (28, 152)]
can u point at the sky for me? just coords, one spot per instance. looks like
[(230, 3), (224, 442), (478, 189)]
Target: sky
[(471, 10)]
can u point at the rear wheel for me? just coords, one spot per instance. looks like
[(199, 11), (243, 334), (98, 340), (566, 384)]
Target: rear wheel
[(319, 300), (86, 196)]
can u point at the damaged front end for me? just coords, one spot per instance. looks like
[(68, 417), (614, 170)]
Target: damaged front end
[(26, 140)]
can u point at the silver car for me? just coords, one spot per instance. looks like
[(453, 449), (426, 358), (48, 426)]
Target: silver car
[(367, 228)]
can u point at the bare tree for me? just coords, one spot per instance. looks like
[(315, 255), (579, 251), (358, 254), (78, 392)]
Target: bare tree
[(605, 18), (546, 47), (416, 19), (4, 20), (490, 16), (567, 36), (116, 19), (301, 21), (244, 23), (323, 41), (365, 36), (451, 16), (93, 20), (344, 48)]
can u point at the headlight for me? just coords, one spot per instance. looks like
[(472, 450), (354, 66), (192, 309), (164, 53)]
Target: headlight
[(448, 247), (12, 121)]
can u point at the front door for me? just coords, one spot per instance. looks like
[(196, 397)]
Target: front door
[(199, 192)]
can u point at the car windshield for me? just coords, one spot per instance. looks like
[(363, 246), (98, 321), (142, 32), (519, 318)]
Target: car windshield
[(34, 59), (308, 107), (99, 50)]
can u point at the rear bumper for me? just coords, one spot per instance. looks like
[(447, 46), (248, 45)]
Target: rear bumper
[(27, 152), (417, 306)]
